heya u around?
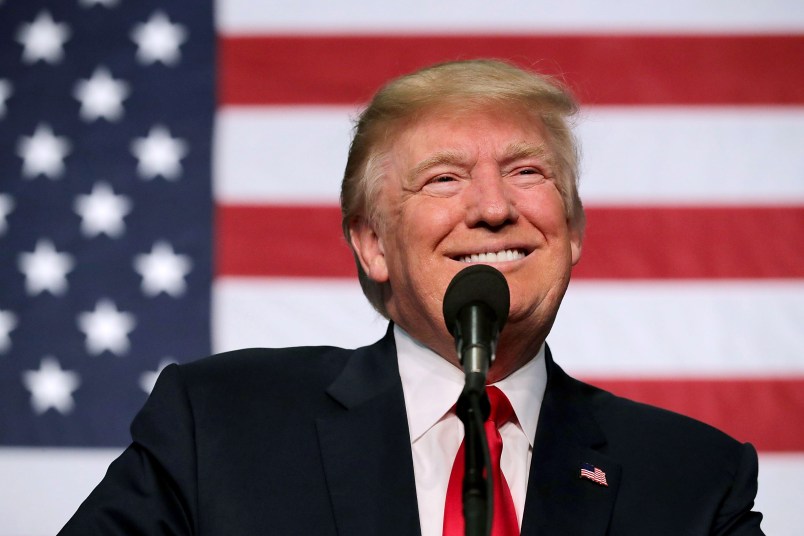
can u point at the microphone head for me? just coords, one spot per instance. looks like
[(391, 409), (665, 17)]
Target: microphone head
[(477, 283)]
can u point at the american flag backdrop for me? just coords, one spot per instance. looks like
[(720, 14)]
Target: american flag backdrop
[(169, 177)]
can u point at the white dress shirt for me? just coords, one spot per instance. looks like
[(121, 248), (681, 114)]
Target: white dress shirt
[(432, 386)]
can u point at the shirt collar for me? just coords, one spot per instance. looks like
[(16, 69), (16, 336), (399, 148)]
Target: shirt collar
[(525, 390), (432, 385)]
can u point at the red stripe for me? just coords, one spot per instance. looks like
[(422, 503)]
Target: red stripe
[(621, 243), (693, 243), (604, 69), (266, 240), (766, 412)]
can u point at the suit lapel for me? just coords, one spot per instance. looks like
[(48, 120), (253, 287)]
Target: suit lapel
[(366, 448), (558, 500)]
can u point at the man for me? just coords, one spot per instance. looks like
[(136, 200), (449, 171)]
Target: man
[(460, 163)]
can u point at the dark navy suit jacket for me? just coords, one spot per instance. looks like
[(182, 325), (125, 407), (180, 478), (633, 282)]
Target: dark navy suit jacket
[(314, 441)]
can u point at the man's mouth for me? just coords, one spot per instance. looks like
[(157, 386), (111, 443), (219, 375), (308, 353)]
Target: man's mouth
[(492, 256)]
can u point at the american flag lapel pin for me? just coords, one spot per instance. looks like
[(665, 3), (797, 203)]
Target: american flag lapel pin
[(595, 474)]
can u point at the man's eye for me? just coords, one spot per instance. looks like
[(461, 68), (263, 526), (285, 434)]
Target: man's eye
[(442, 185), (530, 173)]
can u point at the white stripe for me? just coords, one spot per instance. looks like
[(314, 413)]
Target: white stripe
[(43, 487), (603, 329), (280, 154), (254, 312), (631, 155), (779, 495), (527, 16), (674, 329), (693, 155)]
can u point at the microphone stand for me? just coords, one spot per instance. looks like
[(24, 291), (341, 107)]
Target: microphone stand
[(473, 409), (476, 305)]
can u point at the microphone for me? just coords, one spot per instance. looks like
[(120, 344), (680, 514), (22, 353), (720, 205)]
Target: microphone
[(475, 309)]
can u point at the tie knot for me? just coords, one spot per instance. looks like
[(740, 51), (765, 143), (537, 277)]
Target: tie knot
[(501, 410)]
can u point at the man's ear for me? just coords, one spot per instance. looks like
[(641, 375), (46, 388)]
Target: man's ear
[(369, 248), (576, 243)]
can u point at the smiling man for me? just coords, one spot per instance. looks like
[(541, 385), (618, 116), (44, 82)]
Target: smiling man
[(460, 163), (470, 178)]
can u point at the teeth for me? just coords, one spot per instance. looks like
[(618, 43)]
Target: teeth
[(500, 256)]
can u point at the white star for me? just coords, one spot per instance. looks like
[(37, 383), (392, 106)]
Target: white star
[(163, 270), (102, 211), (148, 378), (43, 39), (159, 154), (5, 93), (6, 207), (101, 96), (43, 153), (51, 387), (106, 328), (8, 321), (105, 3), (45, 269), (158, 40)]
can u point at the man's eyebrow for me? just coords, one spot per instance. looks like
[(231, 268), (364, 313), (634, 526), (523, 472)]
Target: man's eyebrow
[(512, 152), (516, 151)]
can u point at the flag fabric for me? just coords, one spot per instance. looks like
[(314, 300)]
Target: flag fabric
[(107, 226), (169, 189)]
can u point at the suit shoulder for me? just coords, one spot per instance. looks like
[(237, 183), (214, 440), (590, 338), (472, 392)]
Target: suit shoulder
[(658, 457), (625, 418), (251, 358), (261, 368)]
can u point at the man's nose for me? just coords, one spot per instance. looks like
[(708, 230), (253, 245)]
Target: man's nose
[(490, 202)]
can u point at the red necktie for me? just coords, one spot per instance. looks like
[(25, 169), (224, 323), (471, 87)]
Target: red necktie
[(504, 521)]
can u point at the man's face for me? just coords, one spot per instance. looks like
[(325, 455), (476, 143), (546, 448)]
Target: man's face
[(463, 188)]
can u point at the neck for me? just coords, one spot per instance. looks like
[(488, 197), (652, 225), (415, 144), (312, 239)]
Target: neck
[(514, 349)]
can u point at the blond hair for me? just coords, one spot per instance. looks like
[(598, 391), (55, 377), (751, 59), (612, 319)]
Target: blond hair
[(460, 84)]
